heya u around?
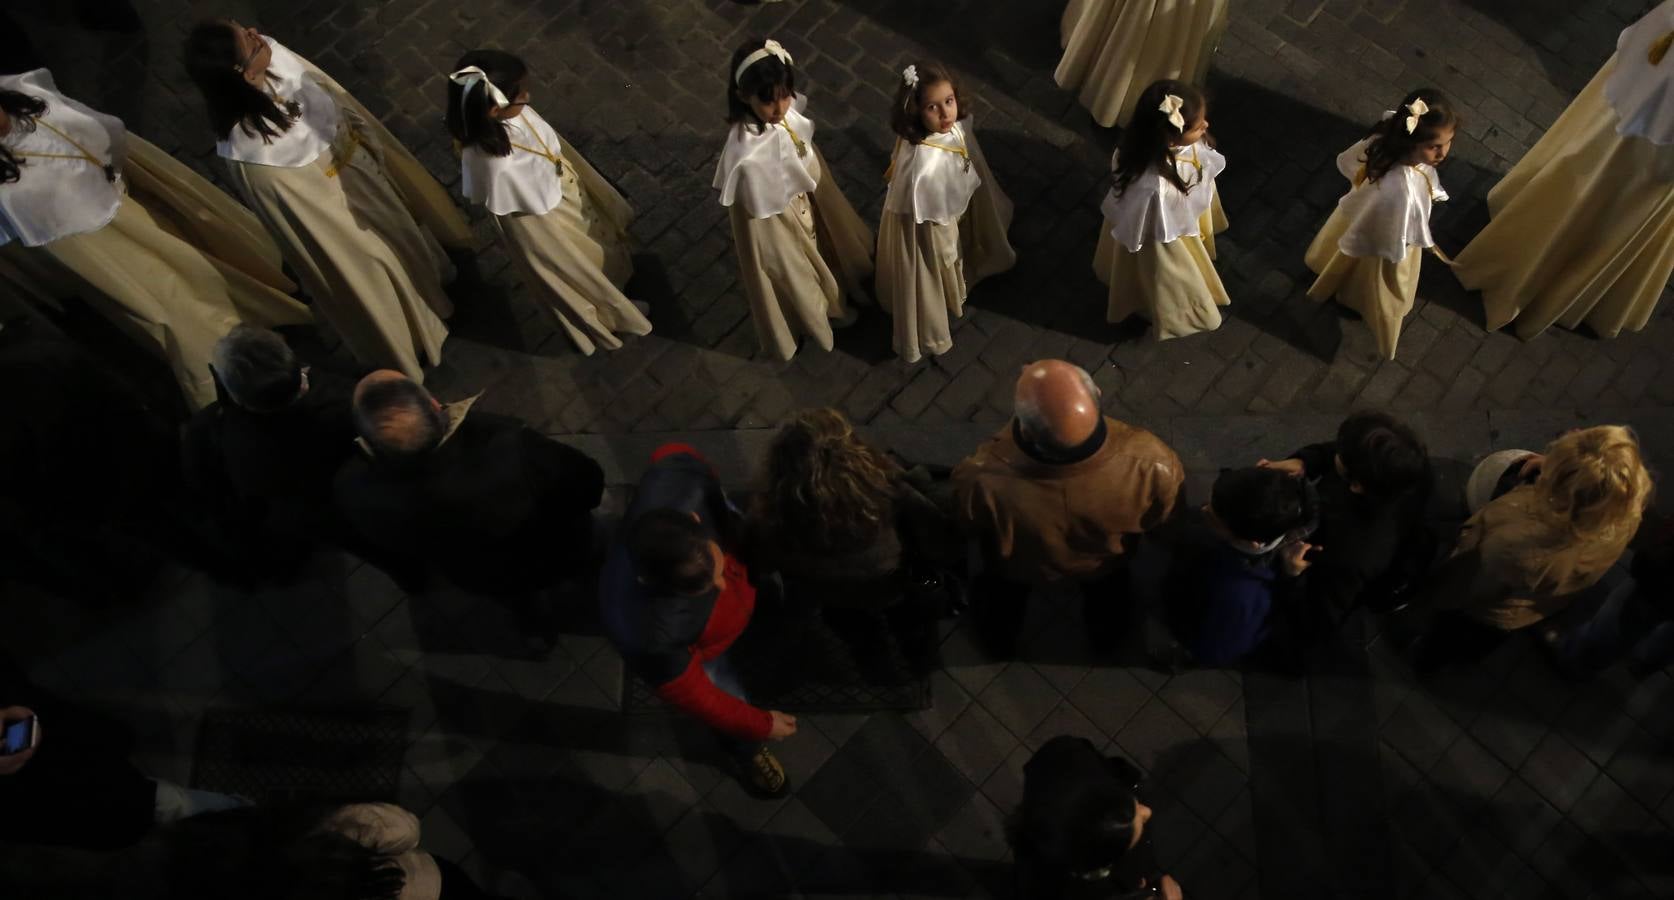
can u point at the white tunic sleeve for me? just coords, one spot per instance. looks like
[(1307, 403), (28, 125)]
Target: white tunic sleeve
[(1642, 92), (62, 194), (931, 184), (1152, 210), (1391, 214), (761, 171), (522, 182), (309, 135)]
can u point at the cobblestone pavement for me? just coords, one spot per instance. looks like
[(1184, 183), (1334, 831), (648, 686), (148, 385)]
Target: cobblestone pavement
[(1352, 781)]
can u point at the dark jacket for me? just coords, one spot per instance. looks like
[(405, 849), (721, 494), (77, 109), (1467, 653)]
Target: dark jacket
[(864, 574), (1063, 772), (1370, 550), (271, 473), (666, 638), (496, 507), (1223, 602)]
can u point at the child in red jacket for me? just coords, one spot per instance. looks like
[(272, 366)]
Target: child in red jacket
[(673, 598)]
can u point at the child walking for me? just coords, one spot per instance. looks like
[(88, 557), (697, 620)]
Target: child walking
[(354, 213), (945, 217), (1369, 253), (562, 222), (801, 247), (1164, 212)]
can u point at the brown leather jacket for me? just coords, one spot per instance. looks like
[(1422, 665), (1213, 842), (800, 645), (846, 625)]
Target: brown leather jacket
[(1046, 522)]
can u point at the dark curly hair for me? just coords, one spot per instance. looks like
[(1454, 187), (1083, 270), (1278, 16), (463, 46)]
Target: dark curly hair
[(825, 484), (23, 110), (1392, 146)]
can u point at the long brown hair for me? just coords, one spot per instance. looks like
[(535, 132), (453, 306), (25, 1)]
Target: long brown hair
[(1391, 145), (212, 59), (825, 483), (1594, 482), (1146, 146), (906, 117)]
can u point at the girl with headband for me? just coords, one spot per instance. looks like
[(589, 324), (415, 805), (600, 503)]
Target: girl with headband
[(88, 210), (1114, 49), (803, 252), (1164, 211), (565, 226), (356, 215), (1369, 253), (945, 217)]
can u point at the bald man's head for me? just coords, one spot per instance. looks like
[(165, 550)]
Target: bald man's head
[(396, 416), (1057, 404)]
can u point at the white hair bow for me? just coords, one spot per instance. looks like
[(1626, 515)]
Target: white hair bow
[(1171, 108), (467, 78), (909, 76), (769, 47), (1418, 108)]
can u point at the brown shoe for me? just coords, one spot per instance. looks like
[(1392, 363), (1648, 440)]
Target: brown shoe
[(763, 775)]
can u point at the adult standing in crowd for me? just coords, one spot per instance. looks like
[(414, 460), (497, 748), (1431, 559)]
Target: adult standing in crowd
[(261, 460), (481, 499), (1061, 495), (674, 596), (855, 535), (1528, 553)]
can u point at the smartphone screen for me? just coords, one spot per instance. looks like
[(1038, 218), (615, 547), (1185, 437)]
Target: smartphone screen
[(18, 736)]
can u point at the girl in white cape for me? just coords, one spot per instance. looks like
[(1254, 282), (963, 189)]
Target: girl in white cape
[(88, 210), (562, 222), (1369, 253), (356, 216), (803, 252), (1157, 250), (945, 217)]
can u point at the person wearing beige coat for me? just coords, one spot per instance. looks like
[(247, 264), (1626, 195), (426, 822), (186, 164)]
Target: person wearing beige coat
[(1527, 554)]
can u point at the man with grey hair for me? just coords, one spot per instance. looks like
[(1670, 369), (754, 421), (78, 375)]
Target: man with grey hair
[(1061, 495), (483, 500), (261, 459)]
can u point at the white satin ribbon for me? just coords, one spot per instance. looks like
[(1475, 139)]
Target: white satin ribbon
[(771, 48), (1171, 108), (909, 76), (467, 78), (1417, 108)]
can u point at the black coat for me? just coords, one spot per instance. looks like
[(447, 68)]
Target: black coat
[(269, 475), (497, 507)]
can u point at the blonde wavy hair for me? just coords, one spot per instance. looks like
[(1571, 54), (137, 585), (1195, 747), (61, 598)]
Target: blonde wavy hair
[(1594, 480), (825, 484)]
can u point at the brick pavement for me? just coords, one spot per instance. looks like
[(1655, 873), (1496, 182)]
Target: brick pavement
[(1512, 784)]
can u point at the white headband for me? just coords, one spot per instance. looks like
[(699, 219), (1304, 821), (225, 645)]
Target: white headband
[(1418, 108), (1171, 109), (467, 78), (771, 48)]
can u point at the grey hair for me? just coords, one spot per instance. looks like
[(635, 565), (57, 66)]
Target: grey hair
[(257, 368), (1032, 420)]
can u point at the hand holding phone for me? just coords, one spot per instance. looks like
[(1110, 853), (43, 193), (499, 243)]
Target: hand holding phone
[(20, 733)]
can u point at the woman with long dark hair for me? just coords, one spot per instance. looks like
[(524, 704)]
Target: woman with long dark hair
[(357, 216), (80, 204), (855, 535), (564, 225)]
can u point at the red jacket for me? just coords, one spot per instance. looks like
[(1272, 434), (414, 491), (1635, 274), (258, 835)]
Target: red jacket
[(659, 637)]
